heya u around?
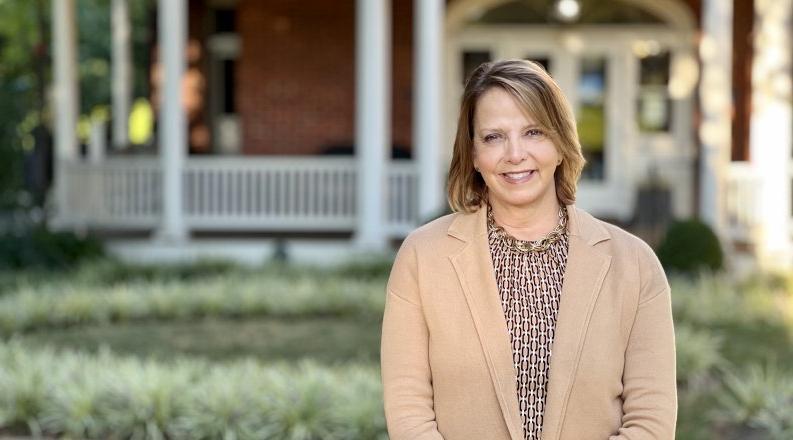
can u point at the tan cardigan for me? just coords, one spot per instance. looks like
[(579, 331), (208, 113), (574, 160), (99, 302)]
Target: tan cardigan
[(446, 358)]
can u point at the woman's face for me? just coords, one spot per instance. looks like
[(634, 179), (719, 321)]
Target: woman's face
[(514, 155)]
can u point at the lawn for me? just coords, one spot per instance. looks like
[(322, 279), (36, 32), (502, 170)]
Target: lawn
[(327, 340)]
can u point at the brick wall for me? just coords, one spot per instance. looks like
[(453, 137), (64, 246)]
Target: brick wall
[(296, 75)]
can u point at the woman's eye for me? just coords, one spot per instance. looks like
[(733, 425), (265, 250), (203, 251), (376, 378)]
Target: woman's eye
[(534, 132), (490, 137)]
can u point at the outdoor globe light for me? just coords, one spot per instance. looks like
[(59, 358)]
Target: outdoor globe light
[(567, 10)]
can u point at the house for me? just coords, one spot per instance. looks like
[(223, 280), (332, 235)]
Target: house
[(694, 94)]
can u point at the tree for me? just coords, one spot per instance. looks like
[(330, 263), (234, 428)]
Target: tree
[(26, 72)]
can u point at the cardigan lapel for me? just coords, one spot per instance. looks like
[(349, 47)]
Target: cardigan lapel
[(583, 278), (474, 268)]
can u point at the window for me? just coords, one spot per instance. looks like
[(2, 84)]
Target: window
[(225, 21), (592, 85), (543, 61), (472, 60), (229, 86), (654, 105)]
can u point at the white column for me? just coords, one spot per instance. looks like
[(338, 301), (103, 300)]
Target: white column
[(716, 97), (65, 94), (771, 133), (122, 71), (66, 91), (427, 138), (372, 120), (172, 135)]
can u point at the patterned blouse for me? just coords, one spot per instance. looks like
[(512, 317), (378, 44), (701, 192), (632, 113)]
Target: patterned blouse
[(530, 284)]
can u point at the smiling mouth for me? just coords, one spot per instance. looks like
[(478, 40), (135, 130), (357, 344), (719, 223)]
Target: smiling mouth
[(519, 176)]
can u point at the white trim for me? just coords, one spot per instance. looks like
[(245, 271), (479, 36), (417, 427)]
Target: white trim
[(226, 127), (673, 12), (224, 46)]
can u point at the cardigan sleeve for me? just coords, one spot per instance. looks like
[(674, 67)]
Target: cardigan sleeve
[(649, 379), (404, 357)]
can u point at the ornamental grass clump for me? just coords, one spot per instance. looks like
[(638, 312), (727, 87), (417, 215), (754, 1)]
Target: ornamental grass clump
[(359, 412), (146, 398), (713, 299), (698, 355), (74, 403), (757, 401), (100, 396), (24, 388), (299, 409), (223, 296)]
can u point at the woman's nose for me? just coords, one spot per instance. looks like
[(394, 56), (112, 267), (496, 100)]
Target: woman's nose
[(516, 151)]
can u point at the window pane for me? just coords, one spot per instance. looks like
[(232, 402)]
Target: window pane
[(229, 86), (592, 116), (472, 60), (225, 20), (654, 105)]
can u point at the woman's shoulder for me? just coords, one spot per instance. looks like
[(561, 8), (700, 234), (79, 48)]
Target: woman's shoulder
[(433, 230), (620, 238), (626, 248)]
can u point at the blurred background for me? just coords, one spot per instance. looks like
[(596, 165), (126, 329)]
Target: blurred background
[(200, 199)]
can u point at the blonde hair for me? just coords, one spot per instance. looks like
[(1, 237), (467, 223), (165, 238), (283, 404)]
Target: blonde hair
[(539, 95)]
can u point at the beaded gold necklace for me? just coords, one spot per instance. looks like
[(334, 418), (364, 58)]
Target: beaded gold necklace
[(527, 246)]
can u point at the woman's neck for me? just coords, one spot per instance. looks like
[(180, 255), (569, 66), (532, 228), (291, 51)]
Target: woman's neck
[(530, 222)]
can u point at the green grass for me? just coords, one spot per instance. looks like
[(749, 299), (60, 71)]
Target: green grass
[(328, 340)]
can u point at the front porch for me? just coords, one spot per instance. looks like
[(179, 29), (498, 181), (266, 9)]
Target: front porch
[(361, 203)]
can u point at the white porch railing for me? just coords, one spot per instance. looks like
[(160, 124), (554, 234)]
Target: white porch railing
[(742, 189), (119, 193), (272, 193)]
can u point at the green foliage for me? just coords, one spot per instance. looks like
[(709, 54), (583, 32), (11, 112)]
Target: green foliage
[(102, 396), (759, 398), (690, 246), (374, 268), (236, 294), (20, 88), (721, 327), (710, 299), (38, 247), (698, 355), (111, 272), (26, 70)]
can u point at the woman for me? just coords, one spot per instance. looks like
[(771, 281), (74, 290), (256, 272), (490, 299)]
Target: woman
[(520, 316)]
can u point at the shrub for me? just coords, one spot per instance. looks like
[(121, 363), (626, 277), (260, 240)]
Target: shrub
[(690, 246), (38, 247)]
